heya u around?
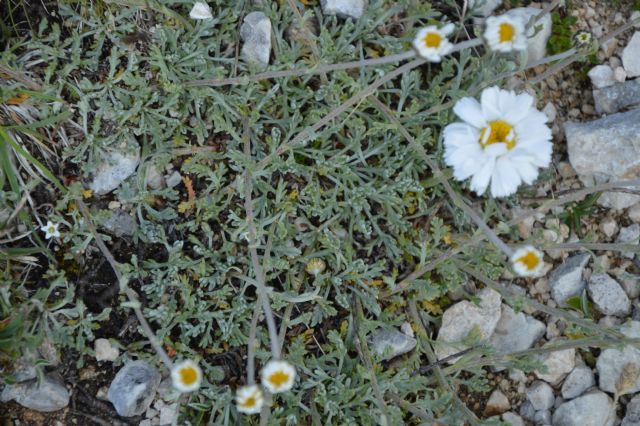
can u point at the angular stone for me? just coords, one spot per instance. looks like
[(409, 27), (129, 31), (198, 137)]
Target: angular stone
[(577, 382), (631, 56), (343, 8), (256, 33), (540, 394), (620, 368), (617, 97), (395, 342), (542, 417), (105, 351), (608, 296), (632, 416), (558, 363), (497, 403), (483, 8), (463, 317), (512, 419), (607, 150), (120, 223), (592, 409), (566, 280), (536, 44), (134, 388), (50, 395), (630, 235), (115, 168), (515, 332), (601, 76)]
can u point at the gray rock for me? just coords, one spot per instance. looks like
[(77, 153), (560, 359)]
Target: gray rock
[(50, 395), (105, 351), (343, 8), (577, 382), (629, 235), (395, 342), (134, 388), (607, 150), (154, 178), (536, 44), (558, 363), (617, 97), (566, 280), (483, 8), (631, 284), (540, 394), (527, 411), (592, 409), (115, 168), (174, 179), (256, 33), (463, 317), (120, 223), (619, 369), (497, 403), (601, 76), (542, 417), (631, 56), (515, 332), (632, 416), (608, 296), (512, 419)]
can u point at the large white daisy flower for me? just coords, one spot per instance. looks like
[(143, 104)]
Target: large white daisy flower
[(249, 399), (505, 33), (503, 140), (527, 261), (186, 376), (278, 376), (431, 43)]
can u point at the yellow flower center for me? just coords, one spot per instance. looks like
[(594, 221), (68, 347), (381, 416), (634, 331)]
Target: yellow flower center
[(188, 375), (507, 32), (278, 378), (249, 402), (432, 40), (498, 132), (51, 230), (530, 260)]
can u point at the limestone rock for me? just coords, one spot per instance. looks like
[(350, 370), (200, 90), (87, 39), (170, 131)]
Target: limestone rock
[(396, 342), (134, 388), (566, 280), (621, 367), (343, 8), (631, 56), (617, 97), (601, 76), (608, 296), (558, 363), (50, 395), (540, 394), (115, 167), (256, 34), (591, 409), (515, 332), (577, 382), (536, 44)]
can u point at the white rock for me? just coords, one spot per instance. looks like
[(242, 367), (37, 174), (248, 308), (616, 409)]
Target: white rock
[(613, 364), (634, 213), (154, 178), (577, 382), (631, 56), (536, 44), (551, 112), (601, 76), (50, 395), (497, 403), (632, 415), (483, 8), (169, 414), (465, 316), (558, 363), (343, 8), (105, 351), (608, 226), (591, 409), (515, 332), (629, 235), (540, 394), (566, 280), (607, 150), (256, 33), (134, 387), (617, 97), (114, 169), (608, 296), (174, 180), (542, 417), (200, 10), (512, 419), (630, 283), (527, 411), (393, 341), (120, 223), (635, 16), (620, 75)]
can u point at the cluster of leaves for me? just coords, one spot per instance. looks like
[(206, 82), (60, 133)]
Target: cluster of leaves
[(561, 33)]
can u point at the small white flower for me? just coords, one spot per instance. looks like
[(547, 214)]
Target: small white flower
[(50, 230), (504, 33), (186, 376), (527, 261), (503, 140), (249, 399), (200, 10), (278, 376), (432, 44)]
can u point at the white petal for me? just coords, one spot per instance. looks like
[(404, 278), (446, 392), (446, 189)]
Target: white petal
[(505, 179), (200, 10), (469, 110), (447, 29), (480, 180), (489, 101)]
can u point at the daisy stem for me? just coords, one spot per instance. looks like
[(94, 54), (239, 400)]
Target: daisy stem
[(260, 277), (251, 353)]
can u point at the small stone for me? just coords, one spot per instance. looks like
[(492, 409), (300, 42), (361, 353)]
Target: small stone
[(619, 369), (566, 280), (121, 223), (256, 33), (464, 317), (617, 97), (542, 417), (631, 56), (551, 112), (632, 416), (343, 8), (117, 166), (174, 180), (635, 16), (154, 179), (577, 382), (407, 329), (608, 296), (515, 332), (629, 235), (592, 409), (601, 76), (483, 8), (393, 341), (512, 419), (620, 75), (527, 411), (537, 40), (630, 283), (558, 363), (540, 394), (113, 205), (634, 213), (609, 227), (134, 388), (50, 395), (105, 351), (498, 403), (168, 414)]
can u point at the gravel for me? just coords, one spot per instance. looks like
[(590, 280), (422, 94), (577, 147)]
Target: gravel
[(619, 369), (608, 296), (566, 280), (592, 409), (577, 382), (541, 396)]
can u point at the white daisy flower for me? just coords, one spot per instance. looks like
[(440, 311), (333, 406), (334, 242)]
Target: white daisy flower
[(200, 10), (186, 376), (432, 44), (50, 230), (527, 261), (503, 140), (278, 376), (504, 33), (249, 399)]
